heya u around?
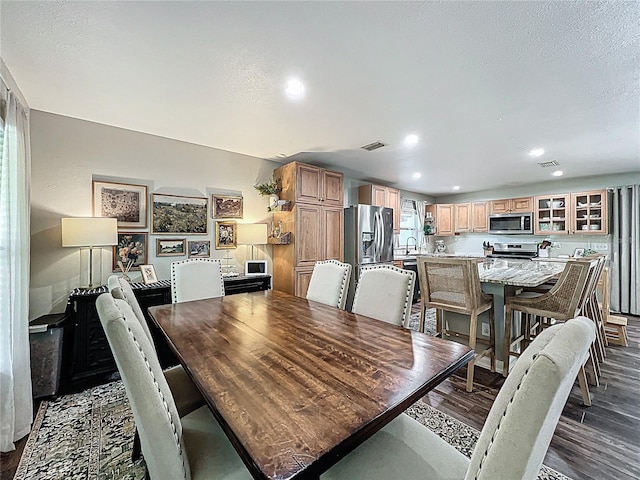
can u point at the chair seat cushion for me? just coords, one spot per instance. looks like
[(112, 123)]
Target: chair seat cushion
[(211, 455), (404, 449)]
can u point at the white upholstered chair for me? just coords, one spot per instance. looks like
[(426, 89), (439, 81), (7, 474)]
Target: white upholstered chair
[(385, 292), (330, 283), (192, 447), (196, 279), (186, 394), (515, 436)]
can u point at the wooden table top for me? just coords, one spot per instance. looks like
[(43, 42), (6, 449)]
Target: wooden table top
[(297, 385)]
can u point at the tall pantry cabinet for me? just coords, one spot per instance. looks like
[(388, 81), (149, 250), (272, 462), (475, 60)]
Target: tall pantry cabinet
[(316, 222)]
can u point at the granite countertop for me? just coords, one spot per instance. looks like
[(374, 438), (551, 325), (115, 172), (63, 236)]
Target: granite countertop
[(521, 273)]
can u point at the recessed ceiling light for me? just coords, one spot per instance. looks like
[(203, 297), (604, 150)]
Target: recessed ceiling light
[(536, 152), (417, 175), (456, 187), (557, 173), (411, 140), (294, 89)]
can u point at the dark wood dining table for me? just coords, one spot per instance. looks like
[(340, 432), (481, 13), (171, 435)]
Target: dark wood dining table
[(296, 385)]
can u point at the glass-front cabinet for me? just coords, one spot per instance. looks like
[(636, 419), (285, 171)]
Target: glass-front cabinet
[(589, 212), (553, 214)]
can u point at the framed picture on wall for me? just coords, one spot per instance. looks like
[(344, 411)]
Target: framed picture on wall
[(148, 274), (170, 247), (200, 249), (131, 250), (226, 206), (225, 235), (178, 214), (124, 201)]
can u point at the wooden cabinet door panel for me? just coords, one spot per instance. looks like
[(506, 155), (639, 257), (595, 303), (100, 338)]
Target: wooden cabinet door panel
[(522, 205), (378, 196), (308, 235), (462, 217), (308, 184), (393, 201), (480, 217), (302, 279), (333, 189), (589, 212), (333, 233), (500, 206), (444, 219)]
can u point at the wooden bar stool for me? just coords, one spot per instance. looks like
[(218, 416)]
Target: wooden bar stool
[(615, 326)]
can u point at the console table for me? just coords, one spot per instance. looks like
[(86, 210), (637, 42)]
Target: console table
[(89, 357)]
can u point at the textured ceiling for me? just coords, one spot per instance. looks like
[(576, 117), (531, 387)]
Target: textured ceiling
[(481, 83)]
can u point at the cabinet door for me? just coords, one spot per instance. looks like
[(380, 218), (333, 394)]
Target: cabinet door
[(462, 217), (308, 184), (500, 206), (393, 201), (444, 219), (378, 196), (589, 212), (308, 236), (333, 227), (522, 205), (332, 188), (302, 277), (552, 214), (479, 217)]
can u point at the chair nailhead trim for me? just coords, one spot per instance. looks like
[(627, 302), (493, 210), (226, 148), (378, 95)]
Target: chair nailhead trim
[(393, 268), (174, 292)]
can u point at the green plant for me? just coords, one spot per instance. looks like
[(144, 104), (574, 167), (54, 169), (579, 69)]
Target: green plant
[(271, 187)]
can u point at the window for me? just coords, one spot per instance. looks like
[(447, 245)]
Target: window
[(409, 225)]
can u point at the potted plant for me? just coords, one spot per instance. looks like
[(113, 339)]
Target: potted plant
[(272, 188)]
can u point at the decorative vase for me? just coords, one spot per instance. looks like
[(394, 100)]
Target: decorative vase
[(273, 201)]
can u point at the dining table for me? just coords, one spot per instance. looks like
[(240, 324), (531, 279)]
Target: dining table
[(296, 385)]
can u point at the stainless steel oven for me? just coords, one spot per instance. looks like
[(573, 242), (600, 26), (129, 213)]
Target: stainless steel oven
[(511, 223)]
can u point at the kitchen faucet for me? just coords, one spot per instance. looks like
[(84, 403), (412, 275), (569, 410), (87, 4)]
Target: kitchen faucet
[(406, 249)]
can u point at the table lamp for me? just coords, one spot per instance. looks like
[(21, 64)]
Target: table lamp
[(252, 234), (90, 232)]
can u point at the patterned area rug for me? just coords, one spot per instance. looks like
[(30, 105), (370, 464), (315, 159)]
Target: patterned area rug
[(89, 435), (429, 321)]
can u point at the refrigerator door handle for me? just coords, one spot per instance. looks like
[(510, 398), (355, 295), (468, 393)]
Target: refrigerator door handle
[(380, 235), (375, 236)]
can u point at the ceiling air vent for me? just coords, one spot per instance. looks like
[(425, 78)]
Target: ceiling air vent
[(373, 146), (552, 163)]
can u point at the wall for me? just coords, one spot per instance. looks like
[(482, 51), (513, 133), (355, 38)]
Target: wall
[(67, 153), (565, 244)]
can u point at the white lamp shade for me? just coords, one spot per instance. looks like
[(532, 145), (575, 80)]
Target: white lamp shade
[(252, 233), (89, 232)]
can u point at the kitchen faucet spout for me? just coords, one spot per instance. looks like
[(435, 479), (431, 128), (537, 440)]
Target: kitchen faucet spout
[(406, 248)]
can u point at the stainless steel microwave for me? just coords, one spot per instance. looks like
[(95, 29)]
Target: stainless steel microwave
[(511, 223)]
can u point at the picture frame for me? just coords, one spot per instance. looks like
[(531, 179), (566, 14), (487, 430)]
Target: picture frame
[(131, 246), (177, 214), (226, 206), (199, 249), (171, 247), (148, 274), (255, 267), (226, 235), (125, 201), (578, 253)]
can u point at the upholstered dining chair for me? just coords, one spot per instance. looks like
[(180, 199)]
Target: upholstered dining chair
[(453, 285), (515, 436), (330, 283), (186, 394), (384, 292), (196, 279), (192, 447)]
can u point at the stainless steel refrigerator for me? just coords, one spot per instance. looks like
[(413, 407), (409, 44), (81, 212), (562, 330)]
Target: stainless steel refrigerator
[(368, 239)]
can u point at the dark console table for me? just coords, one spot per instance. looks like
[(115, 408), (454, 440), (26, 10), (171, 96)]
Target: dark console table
[(89, 359)]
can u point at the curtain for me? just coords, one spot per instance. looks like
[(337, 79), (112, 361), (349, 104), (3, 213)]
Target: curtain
[(421, 208), (625, 269), (16, 404)]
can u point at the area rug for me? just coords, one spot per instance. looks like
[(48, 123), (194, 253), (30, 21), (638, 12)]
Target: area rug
[(429, 321), (89, 435)]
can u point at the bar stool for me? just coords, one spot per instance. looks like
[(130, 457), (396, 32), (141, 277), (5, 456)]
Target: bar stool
[(453, 285), (615, 326)]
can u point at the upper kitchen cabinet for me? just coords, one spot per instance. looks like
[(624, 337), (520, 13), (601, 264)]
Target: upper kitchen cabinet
[(302, 183), (512, 205), (462, 217), (382, 197), (443, 214), (589, 212), (552, 214), (479, 217)]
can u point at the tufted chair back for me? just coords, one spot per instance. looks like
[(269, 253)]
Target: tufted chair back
[(196, 279), (330, 283)]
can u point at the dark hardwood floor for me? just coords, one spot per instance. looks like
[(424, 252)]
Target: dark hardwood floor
[(597, 442)]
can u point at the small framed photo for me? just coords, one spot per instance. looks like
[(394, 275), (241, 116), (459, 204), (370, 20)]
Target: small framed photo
[(131, 250), (178, 214), (148, 274), (171, 247), (579, 252), (225, 235), (200, 249), (226, 206), (126, 202)]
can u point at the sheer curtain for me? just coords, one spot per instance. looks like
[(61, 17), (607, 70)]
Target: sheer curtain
[(625, 269), (16, 404), (421, 208)]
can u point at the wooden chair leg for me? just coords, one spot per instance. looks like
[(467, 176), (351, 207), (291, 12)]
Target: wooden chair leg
[(492, 337), (508, 317), (136, 450), (423, 309), (473, 326), (584, 386), (439, 323)]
